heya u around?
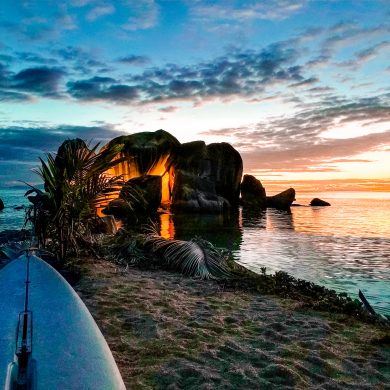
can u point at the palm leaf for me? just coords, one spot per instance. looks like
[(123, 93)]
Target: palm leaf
[(192, 258)]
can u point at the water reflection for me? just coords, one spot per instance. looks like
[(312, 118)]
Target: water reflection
[(253, 218), (345, 246), (223, 230)]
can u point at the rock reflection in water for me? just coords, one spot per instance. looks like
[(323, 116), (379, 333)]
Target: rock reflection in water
[(346, 246), (222, 230)]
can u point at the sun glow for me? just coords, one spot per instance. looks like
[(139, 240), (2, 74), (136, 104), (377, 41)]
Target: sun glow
[(128, 169)]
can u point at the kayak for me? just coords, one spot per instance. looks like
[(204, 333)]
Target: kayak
[(48, 338)]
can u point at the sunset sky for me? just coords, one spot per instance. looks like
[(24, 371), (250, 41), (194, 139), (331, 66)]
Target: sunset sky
[(300, 88)]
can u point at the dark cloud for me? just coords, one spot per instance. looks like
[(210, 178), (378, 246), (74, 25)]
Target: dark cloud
[(305, 82), (134, 60), (168, 109), (42, 80), (101, 88), (22, 145), (11, 96), (242, 73), (81, 61)]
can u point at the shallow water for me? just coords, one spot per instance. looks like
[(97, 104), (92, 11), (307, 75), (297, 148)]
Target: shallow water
[(9, 217), (345, 246)]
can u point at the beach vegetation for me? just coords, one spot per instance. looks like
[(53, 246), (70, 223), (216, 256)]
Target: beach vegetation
[(63, 214), (196, 257)]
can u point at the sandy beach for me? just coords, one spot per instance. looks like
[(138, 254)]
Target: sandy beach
[(169, 331)]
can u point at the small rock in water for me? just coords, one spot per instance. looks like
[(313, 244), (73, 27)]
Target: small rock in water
[(1, 205), (18, 207), (319, 202), (282, 201)]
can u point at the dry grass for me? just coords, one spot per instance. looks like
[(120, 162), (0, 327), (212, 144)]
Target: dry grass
[(169, 331)]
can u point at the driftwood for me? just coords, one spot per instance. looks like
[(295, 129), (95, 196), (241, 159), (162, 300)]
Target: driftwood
[(366, 304)]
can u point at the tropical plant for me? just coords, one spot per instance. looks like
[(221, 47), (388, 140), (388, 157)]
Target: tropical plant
[(125, 248), (196, 257), (74, 184)]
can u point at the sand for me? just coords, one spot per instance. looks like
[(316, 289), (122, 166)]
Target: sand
[(167, 331)]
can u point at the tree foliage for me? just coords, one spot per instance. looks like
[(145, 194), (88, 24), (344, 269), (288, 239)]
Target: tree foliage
[(196, 257), (74, 184)]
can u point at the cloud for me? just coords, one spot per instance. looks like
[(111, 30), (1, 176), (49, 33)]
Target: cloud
[(306, 82), (297, 143), (100, 11), (29, 82), (22, 145), (348, 34), (249, 11), (168, 109), (80, 60), (102, 88), (81, 3), (241, 73), (11, 96), (26, 56), (363, 56), (34, 24), (144, 15), (134, 60), (42, 81)]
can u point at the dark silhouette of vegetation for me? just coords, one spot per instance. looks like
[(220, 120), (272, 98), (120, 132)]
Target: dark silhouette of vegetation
[(64, 213), (197, 257)]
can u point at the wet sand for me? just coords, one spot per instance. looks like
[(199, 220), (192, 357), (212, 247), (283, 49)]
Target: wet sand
[(167, 331)]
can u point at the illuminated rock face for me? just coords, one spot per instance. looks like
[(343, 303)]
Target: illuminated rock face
[(208, 176), (147, 153)]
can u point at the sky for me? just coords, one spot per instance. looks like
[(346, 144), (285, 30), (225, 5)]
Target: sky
[(301, 88)]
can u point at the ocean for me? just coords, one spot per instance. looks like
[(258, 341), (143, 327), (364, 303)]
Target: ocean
[(9, 217), (345, 246)]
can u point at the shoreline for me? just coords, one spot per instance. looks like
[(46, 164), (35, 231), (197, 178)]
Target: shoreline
[(311, 295), (169, 330)]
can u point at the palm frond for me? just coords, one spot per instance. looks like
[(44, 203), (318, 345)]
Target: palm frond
[(74, 182), (192, 258)]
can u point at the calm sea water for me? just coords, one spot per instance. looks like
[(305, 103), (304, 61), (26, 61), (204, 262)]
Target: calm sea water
[(345, 246), (9, 217)]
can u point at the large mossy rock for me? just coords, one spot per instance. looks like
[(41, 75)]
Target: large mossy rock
[(207, 177), (319, 202), (1, 205), (282, 201), (225, 170), (194, 194), (146, 149), (211, 173), (143, 193), (191, 157), (253, 193)]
